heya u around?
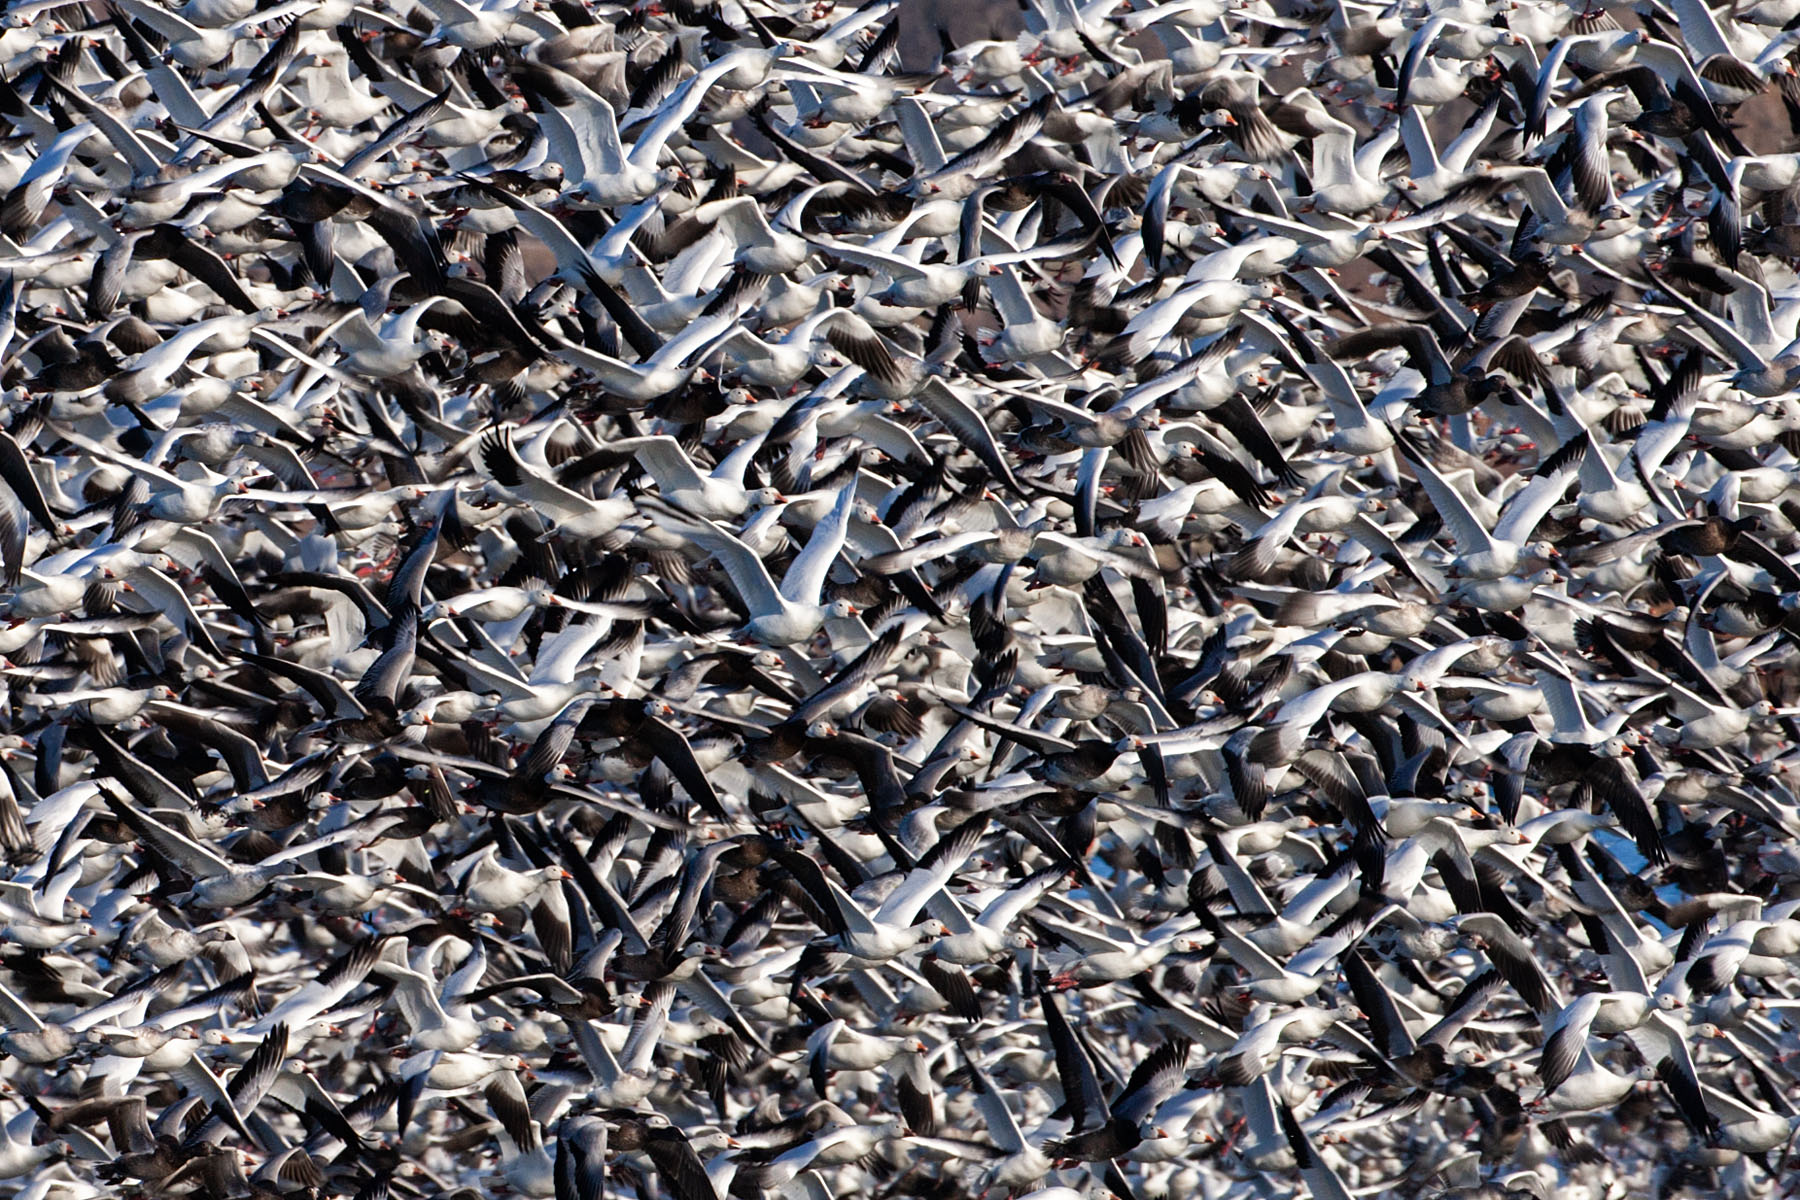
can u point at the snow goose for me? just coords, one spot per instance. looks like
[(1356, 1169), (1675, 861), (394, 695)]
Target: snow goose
[(1341, 182), (1013, 1161), (1556, 222), (1482, 554), (526, 1167), (439, 1018), (891, 930), (790, 613), (217, 882), (573, 513), (985, 937), (715, 495)]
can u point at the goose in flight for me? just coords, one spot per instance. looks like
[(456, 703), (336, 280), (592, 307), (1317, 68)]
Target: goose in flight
[(791, 612), (1481, 553)]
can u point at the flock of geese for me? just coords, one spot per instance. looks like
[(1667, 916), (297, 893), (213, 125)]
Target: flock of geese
[(685, 601)]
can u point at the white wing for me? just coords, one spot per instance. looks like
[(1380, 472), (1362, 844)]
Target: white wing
[(1015, 900), (1699, 30), (1470, 534), (1333, 150), (559, 658), (584, 134), (188, 854), (666, 461), (464, 979), (56, 156), (748, 574), (1564, 703), (806, 576), (1745, 355), (855, 919), (416, 995), (920, 136), (171, 25), (123, 139), (16, 1013), (1732, 1109), (1308, 707), (921, 883), (1421, 154), (594, 1049), (1010, 298), (647, 1030), (875, 260), (924, 552), (1529, 505), (1002, 1126), (680, 107)]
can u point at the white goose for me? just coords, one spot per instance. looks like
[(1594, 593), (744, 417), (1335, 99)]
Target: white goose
[(985, 938), (716, 495), (1483, 554), (439, 1019), (790, 613), (584, 136), (568, 511), (893, 928), (383, 346), (1340, 184)]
